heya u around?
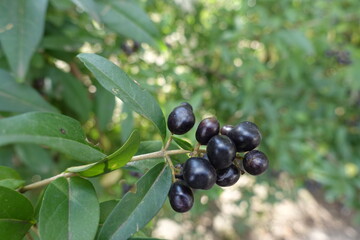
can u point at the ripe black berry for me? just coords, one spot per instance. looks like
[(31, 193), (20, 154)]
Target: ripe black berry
[(198, 173), (255, 162), (228, 176), (226, 129), (246, 136), (207, 128), (181, 197), (181, 119), (221, 151)]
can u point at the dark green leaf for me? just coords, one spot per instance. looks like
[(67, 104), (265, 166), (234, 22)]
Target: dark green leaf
[(135, 210), (15, 97), (16, 214), (89, 7), (106, 208), (183, 143), (6, 154), (126, 18), (104, 107), (50, 129), (22, 24), (70, 210), (10, 178), (35, 158), (113, 79), (127, 124), (112, 162)]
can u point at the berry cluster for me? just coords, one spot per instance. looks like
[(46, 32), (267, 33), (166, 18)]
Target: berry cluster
[(217, 165)]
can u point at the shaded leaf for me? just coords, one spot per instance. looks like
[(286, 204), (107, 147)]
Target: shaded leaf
[(16, 214), (183, 143), (15, 97), (10, 178), (56, 131), (106, 208), (112, 162), (135, 210), (104, 107), (113, 79), (88, 6), (22, 25), (70, 210)]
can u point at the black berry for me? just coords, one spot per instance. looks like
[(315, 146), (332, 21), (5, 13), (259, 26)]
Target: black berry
[(246, 136), (181, 197), (221, 151), (181, 119), (207, 128), (185, 104), (198, 173), (255, 162), (226, 129), (228, 176)]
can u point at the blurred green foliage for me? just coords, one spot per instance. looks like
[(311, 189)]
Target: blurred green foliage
[(290, 66)]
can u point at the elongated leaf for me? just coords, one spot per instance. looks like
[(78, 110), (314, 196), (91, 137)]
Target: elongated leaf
[(50, 129), (112, 162), (15, 97), (113, 79), (35, 158), (16, 214), (128, 19), (106, 208), (10, 178), (70, 210), (104, 107), (89, 7), (135, 210), (183, 143), (22, 26)]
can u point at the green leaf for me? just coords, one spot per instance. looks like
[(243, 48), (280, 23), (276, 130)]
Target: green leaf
[(128, 123), (70, 210), (126, 18), (106, 208), (6, 154), (112, 162), (16, 214), (104, 107), (35, 158), (88, 6), (15, 97), (70, 87), (22, 26), (10, 178), (135, 210), (183, 143), (56, 131), (113, 79)]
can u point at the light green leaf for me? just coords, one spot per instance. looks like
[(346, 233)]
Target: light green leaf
[(183, 143), (70, 210), (56, 131), (128, 19), (113, 79), (16, 214), (15, 97), (135, 210), (10, 178), (21, 29), (88, 6), (112, 162)]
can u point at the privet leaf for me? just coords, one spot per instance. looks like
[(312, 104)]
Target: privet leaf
[(113, 79), (183, 143), (50, 129), (70, 210), (15, 97), (16, 214), (10, 178), (135, 210), (104, 107), (22, 26), (112, 162)]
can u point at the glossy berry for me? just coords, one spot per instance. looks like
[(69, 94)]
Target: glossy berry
[(226, 129), (181, 119), (246, 136), (185, 104), (221, 151), (255, 162), (228, 176), (198, 173), (207, 128), (181, 197)]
